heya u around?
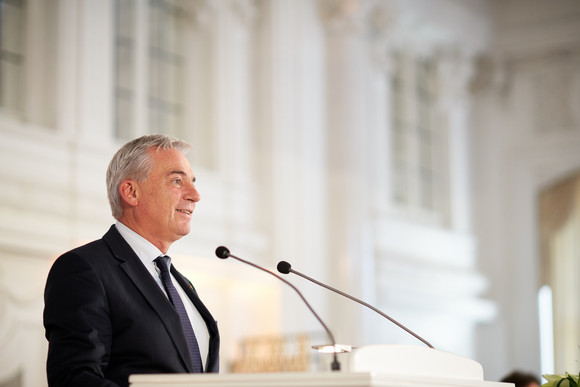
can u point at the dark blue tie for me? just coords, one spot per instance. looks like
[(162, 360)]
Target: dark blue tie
[(163, 265)]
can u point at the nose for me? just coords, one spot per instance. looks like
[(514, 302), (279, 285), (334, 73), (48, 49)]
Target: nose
[(191, 193)]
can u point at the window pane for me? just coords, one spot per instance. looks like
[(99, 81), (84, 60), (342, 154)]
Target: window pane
[(124, 115), (11, 54), (165, 67), (124, 100), (416, 158), (125, 18), (11, 13), (124, 64), (10, 84), (399, 157), (426, 131)]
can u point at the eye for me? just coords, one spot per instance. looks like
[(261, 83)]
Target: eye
[(177, 181)]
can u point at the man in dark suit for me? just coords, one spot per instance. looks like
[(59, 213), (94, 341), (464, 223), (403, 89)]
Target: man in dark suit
[(109, 310)]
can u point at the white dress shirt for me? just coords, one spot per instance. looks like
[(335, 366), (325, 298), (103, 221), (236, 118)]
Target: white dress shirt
[(147, 253)]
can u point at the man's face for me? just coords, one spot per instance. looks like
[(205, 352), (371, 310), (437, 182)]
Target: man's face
[(166, 199)]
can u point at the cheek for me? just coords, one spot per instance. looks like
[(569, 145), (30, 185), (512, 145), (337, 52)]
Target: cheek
[(155, 205)]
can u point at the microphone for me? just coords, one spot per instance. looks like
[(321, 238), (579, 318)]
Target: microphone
[(285, 268), (223, 253)]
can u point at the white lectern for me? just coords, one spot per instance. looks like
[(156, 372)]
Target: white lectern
[(370, 366)]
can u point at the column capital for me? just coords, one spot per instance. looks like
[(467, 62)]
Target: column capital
[(371, 20), (455, 72), (245, 10), (365, 17)]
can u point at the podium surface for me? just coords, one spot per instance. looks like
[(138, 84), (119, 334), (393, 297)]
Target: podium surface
[(304, 379), (369, 366)]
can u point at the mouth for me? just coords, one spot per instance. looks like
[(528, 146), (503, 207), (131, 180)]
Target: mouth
[(186, 212)]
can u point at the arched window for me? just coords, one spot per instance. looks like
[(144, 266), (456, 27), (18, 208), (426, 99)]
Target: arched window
[(149, 67), (560, 232)]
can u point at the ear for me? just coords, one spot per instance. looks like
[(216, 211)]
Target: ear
[(129, 191)]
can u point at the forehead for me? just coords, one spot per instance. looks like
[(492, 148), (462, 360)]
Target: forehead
[(170, 161)]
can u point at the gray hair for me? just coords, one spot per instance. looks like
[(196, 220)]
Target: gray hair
[(132, 161)]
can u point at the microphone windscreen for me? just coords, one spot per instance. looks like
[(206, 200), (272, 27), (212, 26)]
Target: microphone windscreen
[(283, 267), (222, 252)]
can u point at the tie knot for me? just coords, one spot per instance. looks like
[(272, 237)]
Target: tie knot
[(163, 262)]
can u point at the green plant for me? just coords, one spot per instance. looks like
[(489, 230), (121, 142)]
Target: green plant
[(563, 380)]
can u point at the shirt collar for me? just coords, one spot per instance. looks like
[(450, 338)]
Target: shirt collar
[(145, 250)]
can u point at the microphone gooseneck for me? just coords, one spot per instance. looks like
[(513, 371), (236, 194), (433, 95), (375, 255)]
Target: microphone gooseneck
[(223, 253), (285, 268)]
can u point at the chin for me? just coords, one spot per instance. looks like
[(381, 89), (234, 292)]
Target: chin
[(183, 232)]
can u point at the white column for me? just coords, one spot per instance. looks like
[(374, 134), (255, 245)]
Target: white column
[(95, 50), (455, 73), (231, 110), (221, 117), (349, 237), (291, 150)]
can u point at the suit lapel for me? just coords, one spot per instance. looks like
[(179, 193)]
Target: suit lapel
[(192, 294), (212, 364), (141, 278)]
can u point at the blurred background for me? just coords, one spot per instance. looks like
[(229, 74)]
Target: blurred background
[(423, 155)]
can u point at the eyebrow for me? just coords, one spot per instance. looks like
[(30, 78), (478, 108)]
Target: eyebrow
[(180, 172)]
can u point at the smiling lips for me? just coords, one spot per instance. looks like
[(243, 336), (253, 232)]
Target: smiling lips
[(187, 212)]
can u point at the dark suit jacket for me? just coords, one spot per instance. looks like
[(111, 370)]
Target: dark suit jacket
[(106, 318)]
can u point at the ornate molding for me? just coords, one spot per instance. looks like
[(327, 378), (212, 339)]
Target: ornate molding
[(203, 12), (371, 20)]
